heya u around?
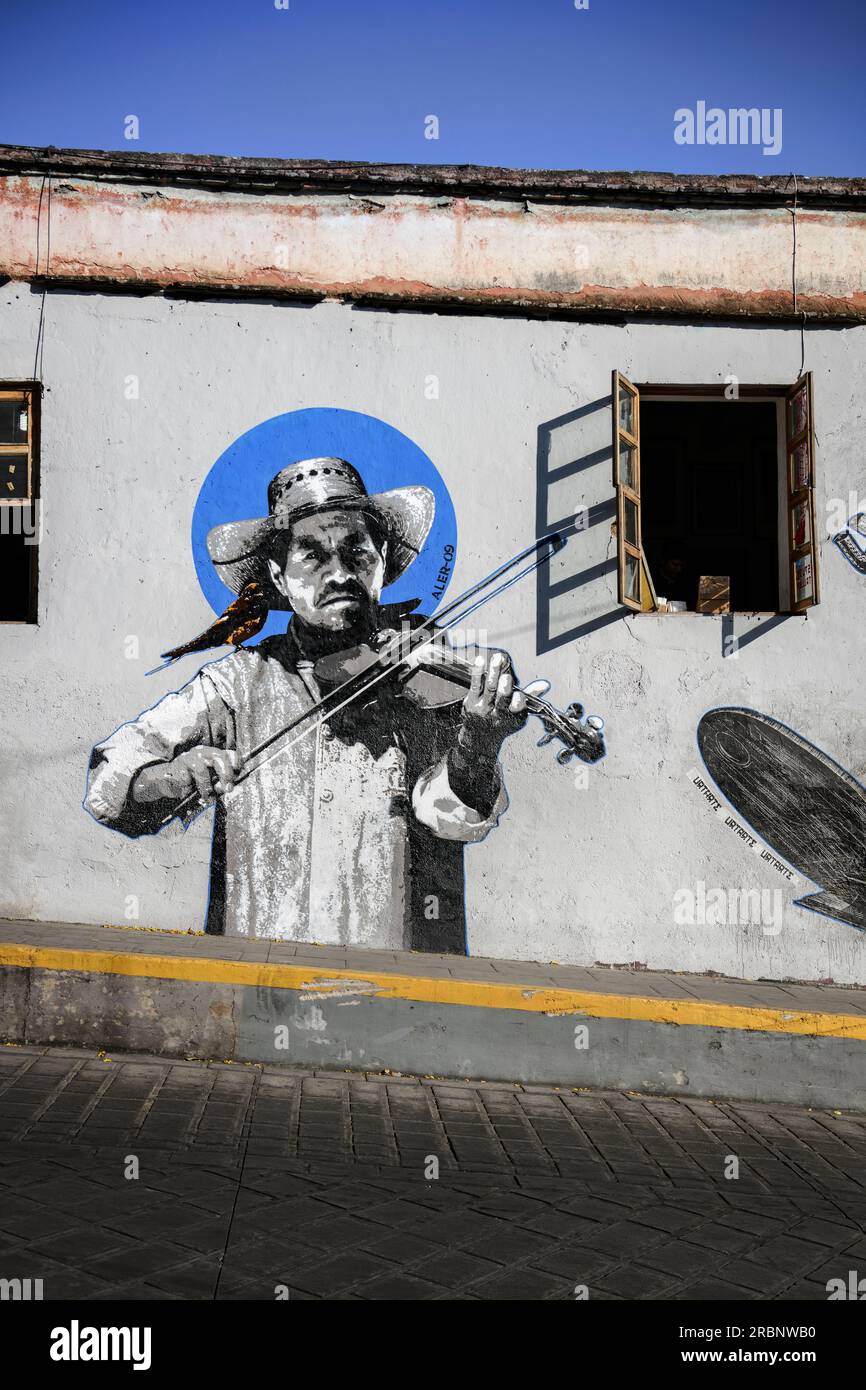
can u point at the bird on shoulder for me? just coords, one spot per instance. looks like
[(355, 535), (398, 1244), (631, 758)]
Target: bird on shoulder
[(244, 618)]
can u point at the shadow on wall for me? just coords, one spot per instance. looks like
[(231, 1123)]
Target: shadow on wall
[(576, 592), (733, 642)]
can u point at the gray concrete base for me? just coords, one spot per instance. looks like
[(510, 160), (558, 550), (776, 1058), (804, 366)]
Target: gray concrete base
[(180, 1018)]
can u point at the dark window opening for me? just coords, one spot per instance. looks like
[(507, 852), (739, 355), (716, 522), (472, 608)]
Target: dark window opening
[(19, 501), (17, 578), (710, 500)]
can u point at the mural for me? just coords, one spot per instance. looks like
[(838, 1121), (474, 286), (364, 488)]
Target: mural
[(351, 755), (805, 806), (852, 542)]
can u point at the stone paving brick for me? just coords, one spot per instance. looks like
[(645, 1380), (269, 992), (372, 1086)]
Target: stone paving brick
[(624, 1238), (721, 1238), (664, 1219), (400, 1287), (560, 1224), (519, 1285), (797, 1256), (714, 1291), (680, 1258), (195, 1280), (575, 1263), (749, 1221), (763, 1279), (397, 1214), (79, 1245), (632, 1281), (209, 1237), (460, 1228), (342, 1272), (455, 1268), (337, 1232), (139, 1259), (509, 1246), (808, 1290), (402, 1247)]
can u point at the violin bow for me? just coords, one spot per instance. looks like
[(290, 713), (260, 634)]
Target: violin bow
[(390, 657)]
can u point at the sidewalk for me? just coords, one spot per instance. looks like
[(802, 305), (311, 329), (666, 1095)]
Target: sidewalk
[(228, 998), (256, 1180)]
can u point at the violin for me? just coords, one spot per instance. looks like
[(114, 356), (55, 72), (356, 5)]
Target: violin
[(425, 669)]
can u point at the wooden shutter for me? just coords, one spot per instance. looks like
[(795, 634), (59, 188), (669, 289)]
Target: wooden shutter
[(634, 586), (800, 461)]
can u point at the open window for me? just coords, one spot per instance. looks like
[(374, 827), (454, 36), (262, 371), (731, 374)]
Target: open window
[(19, 520), (715, 497)]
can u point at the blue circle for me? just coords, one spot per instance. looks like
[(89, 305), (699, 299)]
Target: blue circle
[(236, 487)]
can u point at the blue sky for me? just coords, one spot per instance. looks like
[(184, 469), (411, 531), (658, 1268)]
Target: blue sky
[(533, 83)]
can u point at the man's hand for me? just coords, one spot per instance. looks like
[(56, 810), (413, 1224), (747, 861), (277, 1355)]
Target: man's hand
[(493, 708), (207, 771)]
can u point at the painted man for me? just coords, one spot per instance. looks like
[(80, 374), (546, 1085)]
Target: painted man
[(355, 833)]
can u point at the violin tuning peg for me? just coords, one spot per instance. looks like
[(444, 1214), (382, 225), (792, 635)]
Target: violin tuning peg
[(565, 756), (548, 738), (595, 721), (575, 710)]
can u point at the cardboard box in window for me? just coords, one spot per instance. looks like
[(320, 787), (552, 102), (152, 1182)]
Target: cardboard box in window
[(714, 593)]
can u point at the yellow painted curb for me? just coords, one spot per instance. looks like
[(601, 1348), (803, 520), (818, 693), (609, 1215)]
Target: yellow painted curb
[(427, 989)]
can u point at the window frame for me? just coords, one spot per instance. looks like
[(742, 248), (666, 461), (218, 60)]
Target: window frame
[(31, 392)]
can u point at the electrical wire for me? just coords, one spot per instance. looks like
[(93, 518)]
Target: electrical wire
[(39, 358), (793, 211)]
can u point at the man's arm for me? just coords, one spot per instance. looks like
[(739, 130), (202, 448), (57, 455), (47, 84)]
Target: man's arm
[(463, 796), (147, 767), (203, 771)]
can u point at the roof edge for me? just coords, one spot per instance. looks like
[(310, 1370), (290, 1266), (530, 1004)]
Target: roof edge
[(482, 181)]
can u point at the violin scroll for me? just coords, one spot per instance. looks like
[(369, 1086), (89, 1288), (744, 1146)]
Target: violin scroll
[(583, 737)]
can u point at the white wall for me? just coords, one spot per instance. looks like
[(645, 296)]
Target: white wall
[(580, 875)]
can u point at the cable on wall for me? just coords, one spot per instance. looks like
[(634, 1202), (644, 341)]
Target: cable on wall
[(40, 332), (793, 211)]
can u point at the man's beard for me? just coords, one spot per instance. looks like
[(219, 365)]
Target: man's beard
[(360, 622)]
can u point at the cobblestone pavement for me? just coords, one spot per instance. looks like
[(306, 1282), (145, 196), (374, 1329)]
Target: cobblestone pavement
[(256, 1180)]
